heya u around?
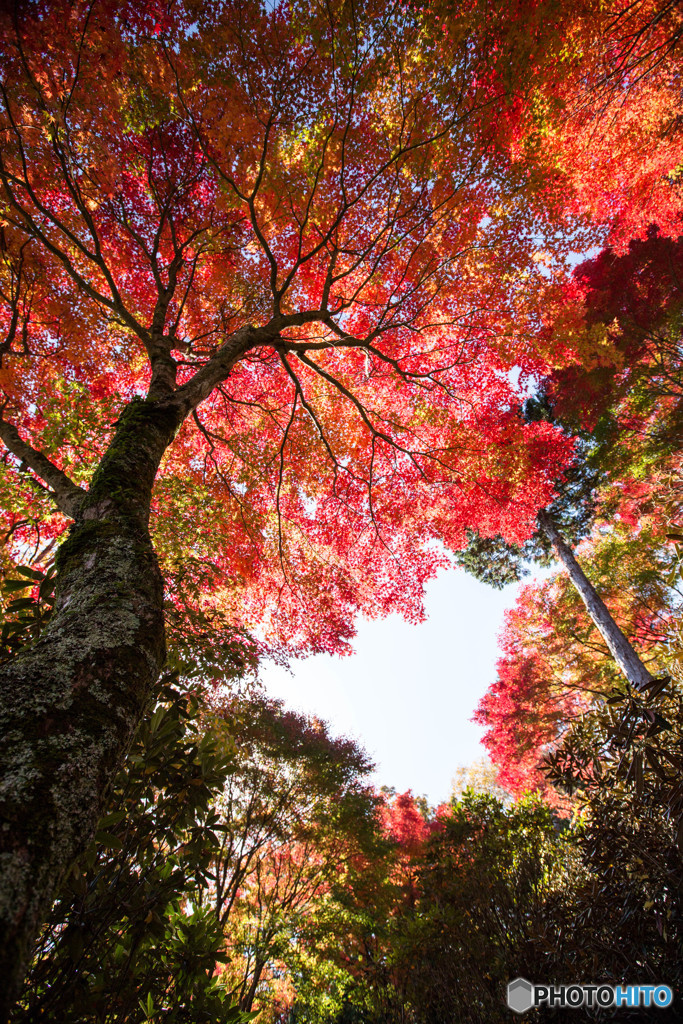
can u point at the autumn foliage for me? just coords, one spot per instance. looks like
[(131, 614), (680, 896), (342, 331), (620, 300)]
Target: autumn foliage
[(367, 225), (610, 327), (279, 287)]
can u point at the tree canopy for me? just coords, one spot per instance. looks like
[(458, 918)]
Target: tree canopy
[(288, 315), (320, 177)]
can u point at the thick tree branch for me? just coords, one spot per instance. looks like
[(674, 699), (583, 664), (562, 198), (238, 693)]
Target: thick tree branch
[(200, 386), (66, 494), (217, 369)]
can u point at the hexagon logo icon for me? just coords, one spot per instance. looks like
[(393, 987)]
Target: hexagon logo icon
[(520, 995)]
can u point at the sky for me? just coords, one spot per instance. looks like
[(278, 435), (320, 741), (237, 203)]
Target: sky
[(408, 692)]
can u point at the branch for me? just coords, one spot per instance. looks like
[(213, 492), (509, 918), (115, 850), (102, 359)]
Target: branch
[(66, 495), (217, 369)]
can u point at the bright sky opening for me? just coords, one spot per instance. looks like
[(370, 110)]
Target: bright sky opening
[(408, 693)]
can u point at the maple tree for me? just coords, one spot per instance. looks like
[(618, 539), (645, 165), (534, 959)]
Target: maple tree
[(258, 241), (621, 139), (600, 83), (624, 400), (621, 395), (271, 281), (297, 816), (484, 877), (607, 118), (449, 917), (554, 663), (493, 561)]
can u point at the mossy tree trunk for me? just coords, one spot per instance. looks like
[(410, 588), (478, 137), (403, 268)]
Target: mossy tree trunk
[(72, 701), (70, 704)]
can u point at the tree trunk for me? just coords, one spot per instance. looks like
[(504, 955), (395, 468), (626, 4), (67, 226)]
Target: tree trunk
[(620, 648), (247, 1001), (71, 703)]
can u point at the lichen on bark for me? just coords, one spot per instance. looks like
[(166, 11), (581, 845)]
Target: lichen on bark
[(71, 702)]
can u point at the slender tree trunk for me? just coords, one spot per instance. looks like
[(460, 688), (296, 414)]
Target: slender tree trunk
[(619, 646), (70, 704), (247, 1000)]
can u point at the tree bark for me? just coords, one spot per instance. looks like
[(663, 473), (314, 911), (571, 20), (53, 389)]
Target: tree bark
[(63, 491), (71, 703), (246, 1003), (619, 646)]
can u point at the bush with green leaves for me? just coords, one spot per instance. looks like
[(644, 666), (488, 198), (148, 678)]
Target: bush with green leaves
[(128, 938), (126, 941), (619, 920), (442, 923)]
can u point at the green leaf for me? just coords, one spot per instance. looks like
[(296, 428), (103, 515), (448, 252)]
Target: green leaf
[(32, 574), (11, 585), (21, 604), (112, 819), (108, 840)]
